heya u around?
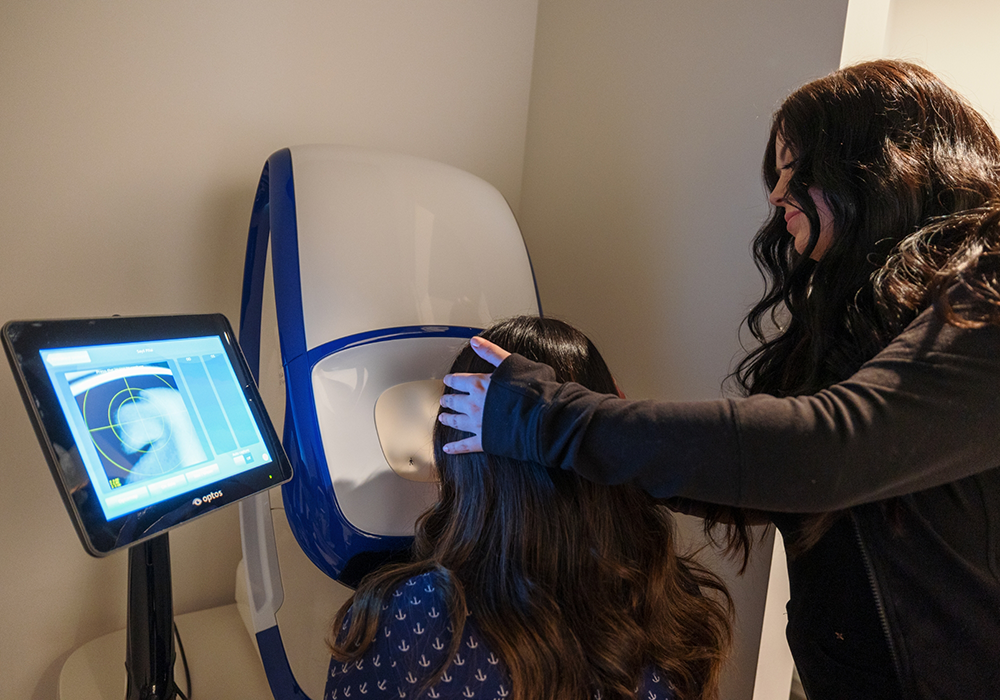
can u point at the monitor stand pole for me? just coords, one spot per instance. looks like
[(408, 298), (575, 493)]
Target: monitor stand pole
[(149, 659)]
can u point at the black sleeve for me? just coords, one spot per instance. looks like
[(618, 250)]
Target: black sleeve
[(924, 412)]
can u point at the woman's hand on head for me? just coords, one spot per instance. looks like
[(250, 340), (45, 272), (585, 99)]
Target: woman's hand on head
[(468, 404)]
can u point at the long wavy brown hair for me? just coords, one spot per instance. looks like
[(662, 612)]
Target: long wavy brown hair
[(911, 173), (577, 586)]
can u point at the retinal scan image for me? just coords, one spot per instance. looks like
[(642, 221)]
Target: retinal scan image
[(138, 421)]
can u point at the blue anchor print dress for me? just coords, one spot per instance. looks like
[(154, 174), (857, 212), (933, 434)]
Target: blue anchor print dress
[(413, 641)]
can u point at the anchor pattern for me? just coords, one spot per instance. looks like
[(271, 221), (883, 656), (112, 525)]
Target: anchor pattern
[(415, 638)]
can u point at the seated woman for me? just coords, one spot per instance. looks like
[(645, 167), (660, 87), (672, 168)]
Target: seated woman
[(530, 583)]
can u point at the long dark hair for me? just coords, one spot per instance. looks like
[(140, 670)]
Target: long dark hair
[(908, 170), (577, 586)]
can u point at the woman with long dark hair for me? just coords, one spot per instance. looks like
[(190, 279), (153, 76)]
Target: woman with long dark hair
[(528, 583), (870, 433)]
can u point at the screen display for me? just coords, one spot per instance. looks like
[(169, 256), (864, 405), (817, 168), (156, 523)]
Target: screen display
[(146, 422), (155, 419)]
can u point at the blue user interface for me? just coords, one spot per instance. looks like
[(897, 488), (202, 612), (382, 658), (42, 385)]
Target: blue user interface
[(153, 420)]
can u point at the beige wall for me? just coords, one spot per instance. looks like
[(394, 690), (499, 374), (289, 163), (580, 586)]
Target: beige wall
[(132, 135), (642, 189)]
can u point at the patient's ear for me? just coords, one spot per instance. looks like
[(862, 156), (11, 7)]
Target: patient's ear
[(405, 415)]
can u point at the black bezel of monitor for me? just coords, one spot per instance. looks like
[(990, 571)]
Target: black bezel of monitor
[(24, 343)]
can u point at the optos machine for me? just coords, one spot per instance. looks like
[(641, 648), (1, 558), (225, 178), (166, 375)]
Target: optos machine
[(381, 267)]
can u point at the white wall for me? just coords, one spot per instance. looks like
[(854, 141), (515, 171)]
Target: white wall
[(957, 40), (642, 187), (132, 135)]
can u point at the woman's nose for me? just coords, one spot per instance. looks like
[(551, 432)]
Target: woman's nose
[(777, 196)]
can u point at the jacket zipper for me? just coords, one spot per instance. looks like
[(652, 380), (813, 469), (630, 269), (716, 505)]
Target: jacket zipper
[(877, 593)]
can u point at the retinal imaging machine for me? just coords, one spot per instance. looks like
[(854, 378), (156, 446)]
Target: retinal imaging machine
[(365, 273), (381, 268)]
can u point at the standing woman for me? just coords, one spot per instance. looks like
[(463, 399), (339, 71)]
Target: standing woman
[(870, 432)]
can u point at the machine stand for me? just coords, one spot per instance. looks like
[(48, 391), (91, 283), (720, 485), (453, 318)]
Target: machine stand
[(149, 660)]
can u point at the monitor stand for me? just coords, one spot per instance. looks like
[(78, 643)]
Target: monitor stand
[(149, 655)]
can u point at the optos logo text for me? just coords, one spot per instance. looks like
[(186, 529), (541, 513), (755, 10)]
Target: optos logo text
[(207, 498)]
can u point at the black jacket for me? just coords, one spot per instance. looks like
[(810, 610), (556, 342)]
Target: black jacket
[(902, 595)]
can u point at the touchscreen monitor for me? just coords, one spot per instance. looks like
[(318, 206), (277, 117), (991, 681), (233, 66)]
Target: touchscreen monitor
[(146, 422)]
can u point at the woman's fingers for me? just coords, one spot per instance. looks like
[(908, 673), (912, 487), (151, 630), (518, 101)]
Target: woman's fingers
[(467, 406), (468, 410), (494, 354), (471, 384), (472, 444), (468, 413)]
